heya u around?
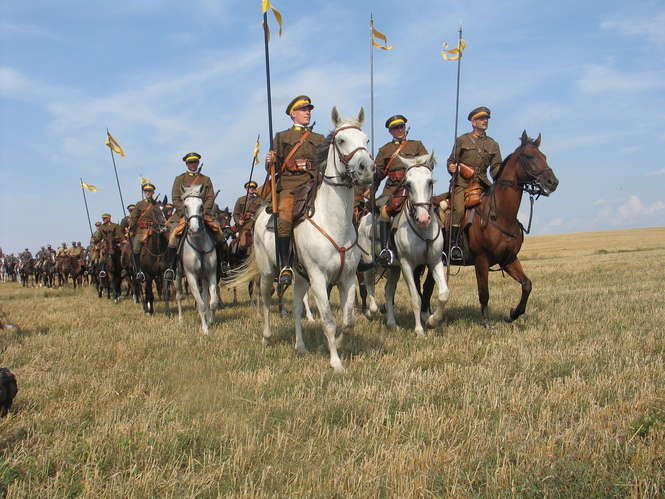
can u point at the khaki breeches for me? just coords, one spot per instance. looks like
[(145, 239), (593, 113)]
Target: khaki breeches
[(285, 211)]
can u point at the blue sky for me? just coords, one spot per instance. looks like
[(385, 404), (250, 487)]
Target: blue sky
[(171, 77)]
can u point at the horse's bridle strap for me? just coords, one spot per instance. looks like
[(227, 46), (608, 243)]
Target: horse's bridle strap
[(340, 249)]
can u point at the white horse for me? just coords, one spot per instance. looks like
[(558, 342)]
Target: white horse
[(199, 260), (326, 243), (419, 241)]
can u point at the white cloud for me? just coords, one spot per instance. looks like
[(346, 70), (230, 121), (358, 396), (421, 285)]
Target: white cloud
[(629, 212), (650, 27), (657, 172), (601, 79)]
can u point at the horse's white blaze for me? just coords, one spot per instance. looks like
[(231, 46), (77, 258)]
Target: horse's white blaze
[(418, 244), (333, 213)]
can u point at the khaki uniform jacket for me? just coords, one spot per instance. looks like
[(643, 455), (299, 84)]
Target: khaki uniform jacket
[(75, 252), (207, 192), (110, 230), (253, 204), (143, 214), (282, 145), (124, 223), (62, 252), (412, 149), (480, 153)]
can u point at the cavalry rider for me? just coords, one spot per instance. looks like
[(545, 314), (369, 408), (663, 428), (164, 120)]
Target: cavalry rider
[(96, 236), (168, 210), (140, 223), (62, 251), (124, 223), (41, 254), (108, 231), (475, 152), (192, 176), (26, 255), (387, 165), (243, 213), (50, 250), (75, 251), (294, 154)]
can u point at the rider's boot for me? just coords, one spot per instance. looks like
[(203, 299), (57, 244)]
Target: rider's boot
[(140, 276), (102, 269), (172, 260), (456, 243), (286, 272), (386, 256)]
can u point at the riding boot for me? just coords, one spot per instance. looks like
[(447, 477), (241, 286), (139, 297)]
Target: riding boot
[(386, 256), (136, 258), (286, 272), (102, 269), (172, 260), (456, 245)]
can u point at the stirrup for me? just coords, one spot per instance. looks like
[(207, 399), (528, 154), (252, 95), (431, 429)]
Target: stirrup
[(456, 254), (140, 276), (386, 257), (102, 273), (169, 275)]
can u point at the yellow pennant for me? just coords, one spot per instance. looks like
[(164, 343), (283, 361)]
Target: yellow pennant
[(377, 34), (88, 187), (255, 154), (113, 144), (453, 54), (144, 180), (265, 6)]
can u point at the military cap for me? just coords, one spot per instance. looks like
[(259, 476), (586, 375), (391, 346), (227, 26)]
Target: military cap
[(148, 187), (190, 156), (97, 224), (396, 120), (251, 185), (168, 205), (298, 103), (478, 112), (106, 215), (131, 206)]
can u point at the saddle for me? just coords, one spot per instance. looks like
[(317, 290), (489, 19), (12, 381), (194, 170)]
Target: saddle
[(304, 197)]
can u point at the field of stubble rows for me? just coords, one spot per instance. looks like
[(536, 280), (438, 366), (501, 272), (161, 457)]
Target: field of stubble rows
[(568, 401)]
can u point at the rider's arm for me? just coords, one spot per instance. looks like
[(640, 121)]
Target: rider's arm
[(495, 160)]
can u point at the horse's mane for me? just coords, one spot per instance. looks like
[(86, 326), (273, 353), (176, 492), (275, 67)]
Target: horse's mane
[(529, 142), (322, 151)]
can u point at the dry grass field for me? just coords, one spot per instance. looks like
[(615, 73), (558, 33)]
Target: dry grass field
[(567, 401)]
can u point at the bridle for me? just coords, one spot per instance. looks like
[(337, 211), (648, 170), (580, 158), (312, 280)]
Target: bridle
[(345, 159), (201, 224), (411, 208)]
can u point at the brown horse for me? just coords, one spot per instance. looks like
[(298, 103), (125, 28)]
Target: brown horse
[(495, 236), (109, 269), (154, 262)]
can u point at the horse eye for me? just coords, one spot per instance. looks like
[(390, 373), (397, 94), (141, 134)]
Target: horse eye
[(341, 141)]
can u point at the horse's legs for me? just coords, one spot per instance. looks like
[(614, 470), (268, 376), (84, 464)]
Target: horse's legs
[(516, 272), (299, 292), (178, 294), (362, 290), (320, 290), (426, 295), (409, 277), (347, 295), (438, 273), (213, 297), (391, 285), (265, 283), (308, 310), (370, 275), (198, 299), (482, 270)]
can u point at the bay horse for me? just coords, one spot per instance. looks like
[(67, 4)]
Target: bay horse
[(495, 235), (325, 242), (154, 262), (108, 277)]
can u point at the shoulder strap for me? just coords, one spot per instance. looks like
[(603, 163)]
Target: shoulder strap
[(394, 155), (297, 145)]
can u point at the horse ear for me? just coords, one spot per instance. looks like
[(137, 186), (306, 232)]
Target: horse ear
[(524, 138), (537, 141), (334, 116), (431, 161), (361, 115), (166, 199)]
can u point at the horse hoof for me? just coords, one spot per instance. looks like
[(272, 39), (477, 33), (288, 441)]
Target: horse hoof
[(391, 325), (420, 333), (339, 369), (508, 317), (301, 350)]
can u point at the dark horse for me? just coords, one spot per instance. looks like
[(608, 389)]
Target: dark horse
[(154, 262), (109, 269), (495, 235)]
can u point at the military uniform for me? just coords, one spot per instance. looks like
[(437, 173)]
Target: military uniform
[(124, 223), (243, 214), (75, 252), (109, 231), (478, 152), (62, 251), (141, 221)]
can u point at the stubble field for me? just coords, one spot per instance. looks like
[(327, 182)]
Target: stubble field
[(567, 401)]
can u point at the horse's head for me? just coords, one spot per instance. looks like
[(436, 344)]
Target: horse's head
[(533, 169), (193, 203), (419, 184), (348, 145)]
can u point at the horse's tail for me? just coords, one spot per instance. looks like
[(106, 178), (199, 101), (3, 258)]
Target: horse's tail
[(247, 272)]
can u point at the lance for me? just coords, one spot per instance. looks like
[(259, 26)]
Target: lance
[(87, 211), (453, 180), (273, 180), (116, 178), (372, 197), (251, 173)]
